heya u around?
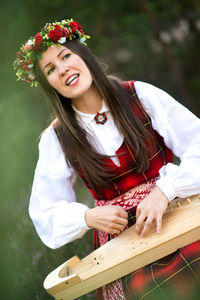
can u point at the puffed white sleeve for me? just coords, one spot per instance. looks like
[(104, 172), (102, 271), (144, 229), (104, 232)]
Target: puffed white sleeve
[(56, 215), (180, 129)]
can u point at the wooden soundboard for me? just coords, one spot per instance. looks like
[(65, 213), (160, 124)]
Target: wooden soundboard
[(127, 252)]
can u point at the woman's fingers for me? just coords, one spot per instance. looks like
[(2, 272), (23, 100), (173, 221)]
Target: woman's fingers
[(117, 225), (111, 219), (115, 228), (147, 225), (139, 223), (144, 223), (159, 224), (123, 214), (122, 222), (141, 215), (138, 211), (149, 209)]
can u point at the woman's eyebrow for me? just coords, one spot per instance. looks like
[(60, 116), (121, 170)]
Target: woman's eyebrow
[(57, 56)]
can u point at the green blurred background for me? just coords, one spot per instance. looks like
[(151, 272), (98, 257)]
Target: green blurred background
[(154, 41)]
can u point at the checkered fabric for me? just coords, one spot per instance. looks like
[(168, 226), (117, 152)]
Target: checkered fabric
[(174, 277), (125, 177)]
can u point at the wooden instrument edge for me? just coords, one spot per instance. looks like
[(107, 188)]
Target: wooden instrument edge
[(77, 286), (58, 277)]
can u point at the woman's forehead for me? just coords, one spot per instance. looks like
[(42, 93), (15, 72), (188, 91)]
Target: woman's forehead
[(51, 53)]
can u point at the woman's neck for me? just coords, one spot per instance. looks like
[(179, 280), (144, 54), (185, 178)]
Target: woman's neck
[(90, 102)]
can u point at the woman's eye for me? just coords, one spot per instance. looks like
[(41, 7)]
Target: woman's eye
[(66, 55), (50, 70)]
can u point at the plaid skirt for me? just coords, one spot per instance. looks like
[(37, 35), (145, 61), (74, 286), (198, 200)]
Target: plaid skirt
[(174, 277)]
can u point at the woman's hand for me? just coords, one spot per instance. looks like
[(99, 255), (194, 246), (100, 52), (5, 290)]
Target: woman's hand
[(111, 219), (152, 207)]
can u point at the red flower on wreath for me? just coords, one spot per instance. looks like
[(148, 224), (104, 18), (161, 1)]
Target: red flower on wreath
[(27, 47), (65, 32), (35, 47), (54, 35), (19, 55), (38, 39), (24, 67), (74, 26), (80, 29), (57, 27)]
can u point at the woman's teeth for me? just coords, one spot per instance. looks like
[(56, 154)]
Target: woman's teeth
[(71, 79)]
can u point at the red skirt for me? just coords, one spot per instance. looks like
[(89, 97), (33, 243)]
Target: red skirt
[(174, 277)]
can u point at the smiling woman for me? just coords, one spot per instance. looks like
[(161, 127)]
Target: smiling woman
[(120, 138), (64, 70)]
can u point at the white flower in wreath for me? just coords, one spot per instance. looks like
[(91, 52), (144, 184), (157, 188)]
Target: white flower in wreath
[(82, 40), (30, 42), (30, 66), (62, 40), (64, 22), (31, 76)]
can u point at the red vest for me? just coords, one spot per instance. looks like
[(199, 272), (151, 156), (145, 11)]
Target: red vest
[(125, 176)]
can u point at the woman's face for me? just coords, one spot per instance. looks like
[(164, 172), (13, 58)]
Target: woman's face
[(66, 72)]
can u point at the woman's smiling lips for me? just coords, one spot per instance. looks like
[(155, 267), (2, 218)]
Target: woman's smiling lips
[(72, 80)]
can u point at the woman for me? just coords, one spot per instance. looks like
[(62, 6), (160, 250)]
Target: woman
[(119, 137)]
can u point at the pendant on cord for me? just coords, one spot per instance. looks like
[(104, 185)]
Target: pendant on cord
[(100, 118)]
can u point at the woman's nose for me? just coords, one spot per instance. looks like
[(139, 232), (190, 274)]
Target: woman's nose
[(63, 69)]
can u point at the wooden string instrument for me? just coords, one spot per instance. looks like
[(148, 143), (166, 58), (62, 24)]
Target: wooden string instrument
[(127, 252)]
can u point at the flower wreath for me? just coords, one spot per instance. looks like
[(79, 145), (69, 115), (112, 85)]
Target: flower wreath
[(51, 34)]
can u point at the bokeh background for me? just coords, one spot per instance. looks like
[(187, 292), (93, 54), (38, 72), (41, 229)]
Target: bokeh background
[(154, 41)]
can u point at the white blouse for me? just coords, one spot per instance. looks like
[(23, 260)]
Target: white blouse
[(56, 215)]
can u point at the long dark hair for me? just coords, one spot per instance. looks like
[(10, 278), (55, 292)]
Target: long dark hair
[(79, 153)]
